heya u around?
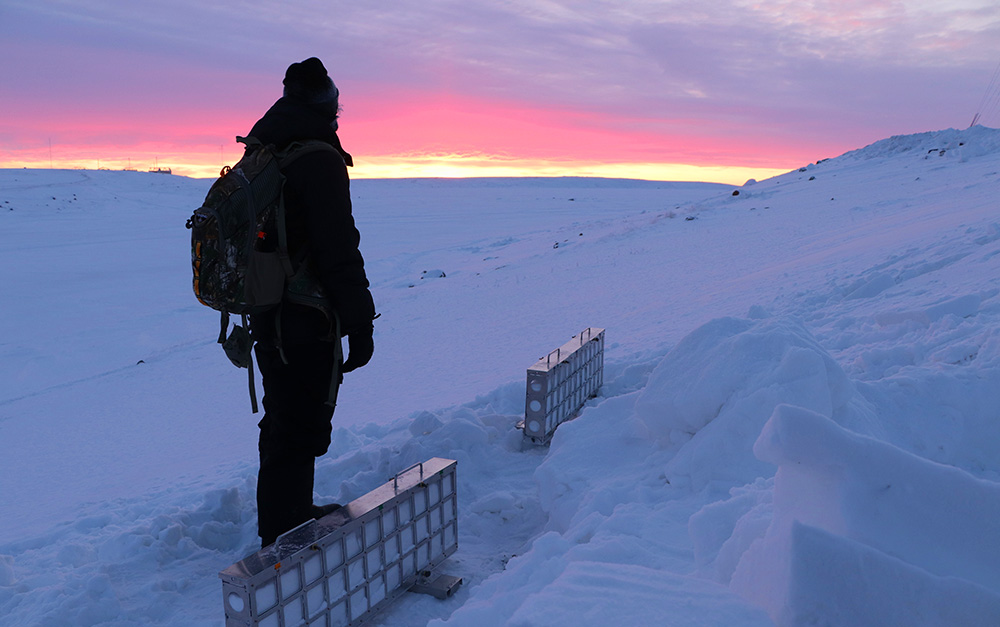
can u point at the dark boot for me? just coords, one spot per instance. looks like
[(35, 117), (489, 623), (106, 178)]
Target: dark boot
[(319, 511)]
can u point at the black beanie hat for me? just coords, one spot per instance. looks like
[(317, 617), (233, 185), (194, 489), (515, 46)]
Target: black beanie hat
[(308, 82)]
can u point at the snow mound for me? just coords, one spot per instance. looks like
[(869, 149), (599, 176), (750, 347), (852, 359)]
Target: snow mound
[(975, 141), (715, 390)]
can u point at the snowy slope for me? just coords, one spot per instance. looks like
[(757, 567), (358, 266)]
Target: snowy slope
[(798, 423)]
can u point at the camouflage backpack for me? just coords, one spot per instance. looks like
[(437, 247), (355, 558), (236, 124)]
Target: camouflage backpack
[(239, 248)]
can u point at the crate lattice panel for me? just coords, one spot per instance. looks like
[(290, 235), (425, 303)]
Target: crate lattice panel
[(341, 569), (561, 382)]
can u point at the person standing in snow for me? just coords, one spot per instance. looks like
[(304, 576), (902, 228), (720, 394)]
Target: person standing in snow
[(297, 346)]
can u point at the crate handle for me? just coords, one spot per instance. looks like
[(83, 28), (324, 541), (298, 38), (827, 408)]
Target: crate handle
[(395, 480)]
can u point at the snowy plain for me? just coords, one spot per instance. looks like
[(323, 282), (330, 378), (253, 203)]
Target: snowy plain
[(800, 421)]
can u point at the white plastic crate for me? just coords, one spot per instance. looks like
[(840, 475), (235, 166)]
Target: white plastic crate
[(561, 382), (339, 570)]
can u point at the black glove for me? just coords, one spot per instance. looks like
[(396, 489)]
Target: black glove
[(360, 348)]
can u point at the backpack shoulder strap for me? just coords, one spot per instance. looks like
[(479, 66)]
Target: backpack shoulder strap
[(292, 152)]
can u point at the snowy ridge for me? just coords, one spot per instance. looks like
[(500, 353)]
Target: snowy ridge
[(798, 423), (978, 141)]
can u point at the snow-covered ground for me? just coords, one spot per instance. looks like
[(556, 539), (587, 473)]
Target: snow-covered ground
[(800, 422)]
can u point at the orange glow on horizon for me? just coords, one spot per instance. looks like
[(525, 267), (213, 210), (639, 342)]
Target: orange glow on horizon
[(460, 166), (451, 127), (419, 136), (442, 166)]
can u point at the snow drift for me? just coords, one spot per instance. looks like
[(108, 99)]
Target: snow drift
[(855, 520)]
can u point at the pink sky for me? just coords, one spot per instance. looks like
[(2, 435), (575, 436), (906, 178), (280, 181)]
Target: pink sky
[(683, 90)]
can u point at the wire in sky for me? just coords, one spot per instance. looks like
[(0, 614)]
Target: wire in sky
[(990, 102)]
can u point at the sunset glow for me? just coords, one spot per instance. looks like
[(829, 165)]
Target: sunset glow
[(457, 166), (450, 136), (197, 165)]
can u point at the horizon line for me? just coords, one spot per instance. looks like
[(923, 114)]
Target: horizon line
[(414, 177), (395, 168)]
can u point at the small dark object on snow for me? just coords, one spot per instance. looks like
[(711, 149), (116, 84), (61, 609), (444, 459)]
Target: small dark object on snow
[(689, 218), (736, 192), (812, 178), (442, 587)]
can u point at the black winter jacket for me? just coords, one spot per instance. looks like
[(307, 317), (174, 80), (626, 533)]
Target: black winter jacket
[(318, 221)]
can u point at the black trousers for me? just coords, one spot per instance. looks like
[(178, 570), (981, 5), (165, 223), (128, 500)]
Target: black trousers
[(295, 431)]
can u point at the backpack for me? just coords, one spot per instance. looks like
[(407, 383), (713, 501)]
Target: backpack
[(239, 248)]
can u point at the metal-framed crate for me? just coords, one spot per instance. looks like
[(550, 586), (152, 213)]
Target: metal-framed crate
[(561, 382), (339, 570)]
